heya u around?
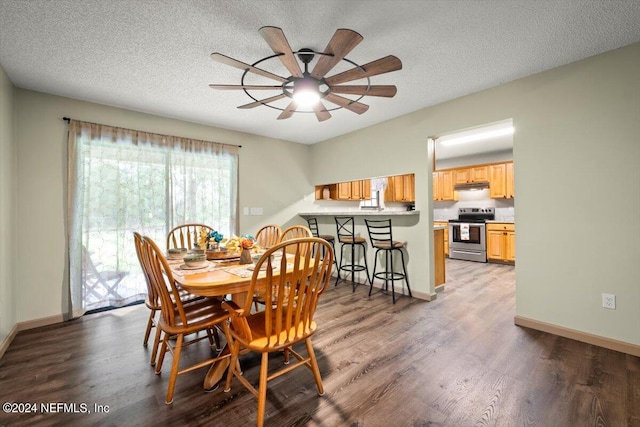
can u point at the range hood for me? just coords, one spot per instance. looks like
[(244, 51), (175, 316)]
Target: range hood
[(471, 186)]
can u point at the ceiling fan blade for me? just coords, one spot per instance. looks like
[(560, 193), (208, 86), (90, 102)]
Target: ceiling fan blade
[(288, 112), (278, 43), (356, 107), (262, 102), (379, 66), (248, 87), (218, 57), (387, 91), (342, 42), (321, 112)]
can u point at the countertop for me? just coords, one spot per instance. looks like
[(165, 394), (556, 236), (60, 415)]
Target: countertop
[(362, 212), (439, 227), (489, 221)]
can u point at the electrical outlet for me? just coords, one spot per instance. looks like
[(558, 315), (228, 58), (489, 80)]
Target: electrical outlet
[(609, 301)]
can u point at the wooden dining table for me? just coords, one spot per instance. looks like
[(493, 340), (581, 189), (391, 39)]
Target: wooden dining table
[(219, 282)]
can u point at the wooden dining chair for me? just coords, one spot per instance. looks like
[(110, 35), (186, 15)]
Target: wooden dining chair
[(152, 301), (295, 232), (289, 320), (185, 236), (179, 319), (269, 235)]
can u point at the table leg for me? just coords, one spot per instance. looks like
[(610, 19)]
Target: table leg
[(217, 370)]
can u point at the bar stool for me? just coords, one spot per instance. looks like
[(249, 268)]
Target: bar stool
[(346, 236), (381, 237), (313, 226)]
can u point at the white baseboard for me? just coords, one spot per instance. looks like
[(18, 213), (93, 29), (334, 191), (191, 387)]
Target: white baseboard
[(43, 321), (611, 344), (7, 340)]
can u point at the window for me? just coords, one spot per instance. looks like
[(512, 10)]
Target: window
[(121, 181), (378, 185), (373, 203)]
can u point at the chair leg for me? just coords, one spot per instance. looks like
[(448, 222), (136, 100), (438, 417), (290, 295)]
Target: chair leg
[(340, 265), (314, 366), (366, 265), (375, 265), (333, 247), (234, 366), (353, 261), (393, 276), (150, 324), (174, 368), (214, 337), (163, 351), (406, 276), (262, 389), (156, 343)]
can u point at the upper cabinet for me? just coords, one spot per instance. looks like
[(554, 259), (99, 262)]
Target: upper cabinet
[(501, 183), (361, 190), (471, 175), (498, 175), (400, 188), (351, 190), (443, 186)]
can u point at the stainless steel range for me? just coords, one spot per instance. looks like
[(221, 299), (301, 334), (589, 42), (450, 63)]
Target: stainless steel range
[(467, 234)]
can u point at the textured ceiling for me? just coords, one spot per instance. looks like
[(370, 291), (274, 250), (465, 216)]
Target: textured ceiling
[(153, 56)]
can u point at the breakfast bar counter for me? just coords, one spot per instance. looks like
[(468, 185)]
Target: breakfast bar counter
[(361, 212)]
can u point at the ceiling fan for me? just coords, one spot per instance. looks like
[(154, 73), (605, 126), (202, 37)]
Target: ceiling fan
[(307, 89)]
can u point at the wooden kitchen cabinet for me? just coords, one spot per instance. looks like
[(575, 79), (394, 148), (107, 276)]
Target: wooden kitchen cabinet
[(400, 188), (351, 190), (443, 186), (439, 263), (361, 190), (471, 175), (460, 176), (479, 174), (501, 183), (444, 224), (510, 180), (501, 242)]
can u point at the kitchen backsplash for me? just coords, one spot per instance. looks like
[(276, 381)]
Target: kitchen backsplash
[(444, 211)]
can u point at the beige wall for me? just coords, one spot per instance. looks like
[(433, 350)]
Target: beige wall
[(576, 150), (577, 163), (41, 289), (8, 206)]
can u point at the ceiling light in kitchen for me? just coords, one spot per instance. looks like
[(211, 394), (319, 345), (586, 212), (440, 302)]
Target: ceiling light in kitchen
[(480, 134)]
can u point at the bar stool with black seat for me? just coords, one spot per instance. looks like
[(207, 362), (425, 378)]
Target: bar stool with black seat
[(346, 236), (381, 236), (313, 226)]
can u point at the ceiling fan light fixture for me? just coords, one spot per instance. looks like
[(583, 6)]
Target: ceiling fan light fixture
[(306, 93), (309, 89)]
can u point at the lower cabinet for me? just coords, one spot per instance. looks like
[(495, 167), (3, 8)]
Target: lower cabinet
[(501, 242), (446, 234), (438, 247)]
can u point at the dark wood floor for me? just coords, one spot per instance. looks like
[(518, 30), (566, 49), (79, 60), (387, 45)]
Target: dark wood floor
[(456, 361)]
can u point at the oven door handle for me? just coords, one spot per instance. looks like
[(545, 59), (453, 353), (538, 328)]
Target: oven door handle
[(465, 252)]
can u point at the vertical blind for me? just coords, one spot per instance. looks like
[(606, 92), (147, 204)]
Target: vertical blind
[(121, 181)]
